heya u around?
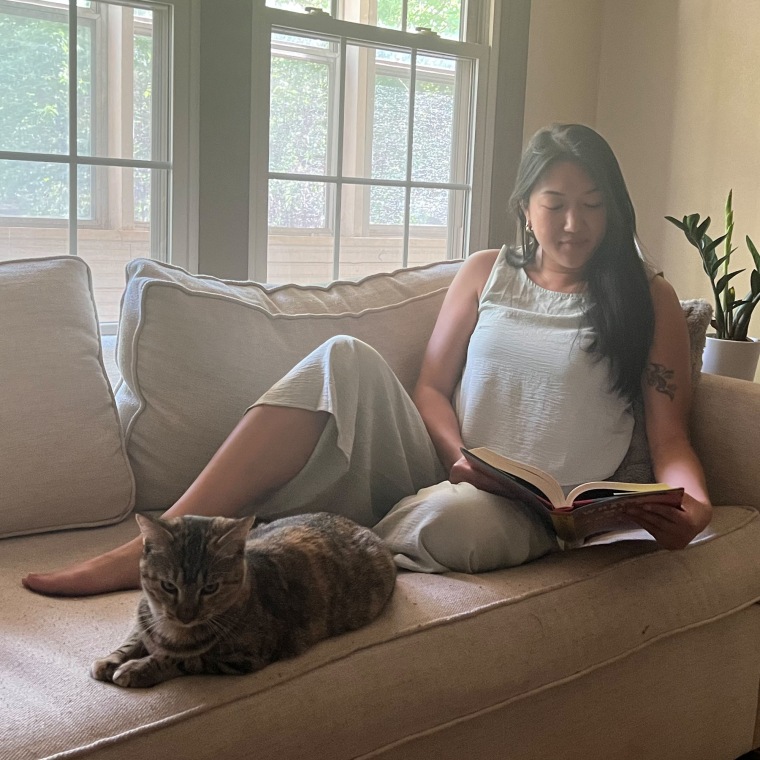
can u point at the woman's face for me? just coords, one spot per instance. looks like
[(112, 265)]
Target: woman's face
[(566, 211)]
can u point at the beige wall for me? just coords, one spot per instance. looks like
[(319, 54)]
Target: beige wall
[(677, 94), (563, 62)]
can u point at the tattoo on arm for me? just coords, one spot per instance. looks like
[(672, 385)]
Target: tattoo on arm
[(661, 379)]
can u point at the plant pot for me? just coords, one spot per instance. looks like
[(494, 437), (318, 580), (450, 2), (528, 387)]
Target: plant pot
[(731, 358)]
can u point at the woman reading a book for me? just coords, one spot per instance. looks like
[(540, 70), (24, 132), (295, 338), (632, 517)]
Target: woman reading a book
[(538, 353)]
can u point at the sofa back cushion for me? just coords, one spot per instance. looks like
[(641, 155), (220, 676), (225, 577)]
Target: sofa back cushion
[(636, 466), (195, 352), (63, 461)]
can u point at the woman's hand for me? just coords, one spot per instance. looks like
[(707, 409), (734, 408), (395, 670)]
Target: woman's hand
[(463, 472), (673, 528)]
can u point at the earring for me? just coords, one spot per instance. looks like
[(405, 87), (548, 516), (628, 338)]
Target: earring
[(528, 228)]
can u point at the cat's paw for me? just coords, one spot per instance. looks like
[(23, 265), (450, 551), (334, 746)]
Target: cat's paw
[(136, 674), (103, 670)]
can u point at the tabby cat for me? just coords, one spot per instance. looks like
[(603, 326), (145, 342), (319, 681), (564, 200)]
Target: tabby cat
[(218, 600)]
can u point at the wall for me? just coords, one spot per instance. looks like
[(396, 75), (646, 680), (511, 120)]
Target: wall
[(676, 94), (563, 62)]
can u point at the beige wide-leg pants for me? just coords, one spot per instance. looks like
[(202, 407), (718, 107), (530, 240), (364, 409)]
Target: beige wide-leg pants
[(376, 464)]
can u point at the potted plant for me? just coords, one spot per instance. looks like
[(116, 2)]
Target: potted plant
[(729, 351)]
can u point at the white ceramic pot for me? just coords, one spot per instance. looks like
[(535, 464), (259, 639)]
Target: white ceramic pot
[(731, 358)]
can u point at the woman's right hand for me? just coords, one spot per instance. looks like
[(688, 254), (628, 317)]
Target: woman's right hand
[(463, 472)]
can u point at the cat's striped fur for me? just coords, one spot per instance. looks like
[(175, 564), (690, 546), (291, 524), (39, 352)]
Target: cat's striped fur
[(218, 600)]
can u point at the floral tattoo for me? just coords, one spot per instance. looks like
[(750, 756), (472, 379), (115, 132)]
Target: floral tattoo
[(661, 379)]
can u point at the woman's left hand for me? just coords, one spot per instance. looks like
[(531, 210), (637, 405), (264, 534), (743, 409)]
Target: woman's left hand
[(673, 528)]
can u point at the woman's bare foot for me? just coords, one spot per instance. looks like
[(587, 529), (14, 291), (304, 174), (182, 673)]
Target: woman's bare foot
[(116, 570)]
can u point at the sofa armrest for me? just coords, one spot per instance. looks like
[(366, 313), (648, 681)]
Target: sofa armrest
[(725, 432)]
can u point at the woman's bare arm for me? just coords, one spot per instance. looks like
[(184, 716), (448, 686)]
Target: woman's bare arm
[(667, 402), (446, 354)]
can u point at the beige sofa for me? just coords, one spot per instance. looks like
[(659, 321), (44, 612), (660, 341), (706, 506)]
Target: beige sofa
[(610, 651)]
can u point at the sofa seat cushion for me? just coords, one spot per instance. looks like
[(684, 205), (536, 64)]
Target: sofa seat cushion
[(195, 352), (445, 648)]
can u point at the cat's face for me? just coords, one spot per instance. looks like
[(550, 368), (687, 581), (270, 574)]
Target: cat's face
[(192, 568)]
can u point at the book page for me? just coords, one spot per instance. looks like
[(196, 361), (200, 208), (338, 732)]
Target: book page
[(606, 488), (536, 477)]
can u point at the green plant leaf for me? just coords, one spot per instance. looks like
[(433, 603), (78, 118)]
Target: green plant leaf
[(754, 252), (679, 224), (713, 244), (715, 263), (692, 220), (743, 316), (702, 228), (723, 281)]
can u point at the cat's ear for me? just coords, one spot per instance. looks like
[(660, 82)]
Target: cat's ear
[(153, 530), (233, 533)]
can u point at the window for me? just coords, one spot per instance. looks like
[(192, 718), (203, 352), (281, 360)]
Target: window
[(369, 162), (86, 162)]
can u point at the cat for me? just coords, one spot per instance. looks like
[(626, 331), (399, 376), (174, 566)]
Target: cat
[(218, 600)]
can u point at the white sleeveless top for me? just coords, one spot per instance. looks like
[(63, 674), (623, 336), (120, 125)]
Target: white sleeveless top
[(530, 391)]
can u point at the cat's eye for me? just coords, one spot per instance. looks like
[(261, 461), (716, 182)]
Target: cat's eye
[(210, 588), (169, 587)]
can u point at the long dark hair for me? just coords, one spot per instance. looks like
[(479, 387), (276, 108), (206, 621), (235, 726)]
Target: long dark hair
[(617, 278)]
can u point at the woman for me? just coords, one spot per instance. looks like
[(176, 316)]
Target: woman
[(543, 350)]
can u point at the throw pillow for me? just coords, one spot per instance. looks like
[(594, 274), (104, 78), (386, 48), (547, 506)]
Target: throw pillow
[(636, 466), (195, 352), (63, 462)]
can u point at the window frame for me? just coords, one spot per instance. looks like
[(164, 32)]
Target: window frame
[(174, 233), (477, 21)]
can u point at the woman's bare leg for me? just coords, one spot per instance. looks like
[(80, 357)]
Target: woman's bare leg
[(269, 447)]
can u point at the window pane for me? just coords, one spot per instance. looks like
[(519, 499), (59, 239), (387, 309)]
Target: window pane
[(142, 87), (33, 190), (132, 85), (123, 232), (390, 14), (435, 126), (34, 74), (362, 252), (86, 192), (34, 205), (436, 220), (32, 241), (300, 205), (386, 205), (390, 118), (85, 89), (142, 193), (290, 5), (299, 126), (442, 16)]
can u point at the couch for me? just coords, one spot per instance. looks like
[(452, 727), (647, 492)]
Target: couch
[(617, 650)]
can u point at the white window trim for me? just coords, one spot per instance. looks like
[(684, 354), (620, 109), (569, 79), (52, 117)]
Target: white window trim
[(477, 20), (182, 215)]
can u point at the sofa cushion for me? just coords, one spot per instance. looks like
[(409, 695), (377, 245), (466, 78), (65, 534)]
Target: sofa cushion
[(446, 649), (63, 461), (636, 466), (195, 352)]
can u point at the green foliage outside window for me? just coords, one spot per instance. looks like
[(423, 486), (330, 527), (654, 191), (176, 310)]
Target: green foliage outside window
[(34, 92)]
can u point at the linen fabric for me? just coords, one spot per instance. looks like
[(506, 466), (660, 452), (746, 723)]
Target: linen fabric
[(195, 351), (375, 452), (63, 462), (605, 628), (375, 449), (530, 389)]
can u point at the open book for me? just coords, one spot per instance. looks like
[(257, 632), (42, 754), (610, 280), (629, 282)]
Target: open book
[(588, 509)]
